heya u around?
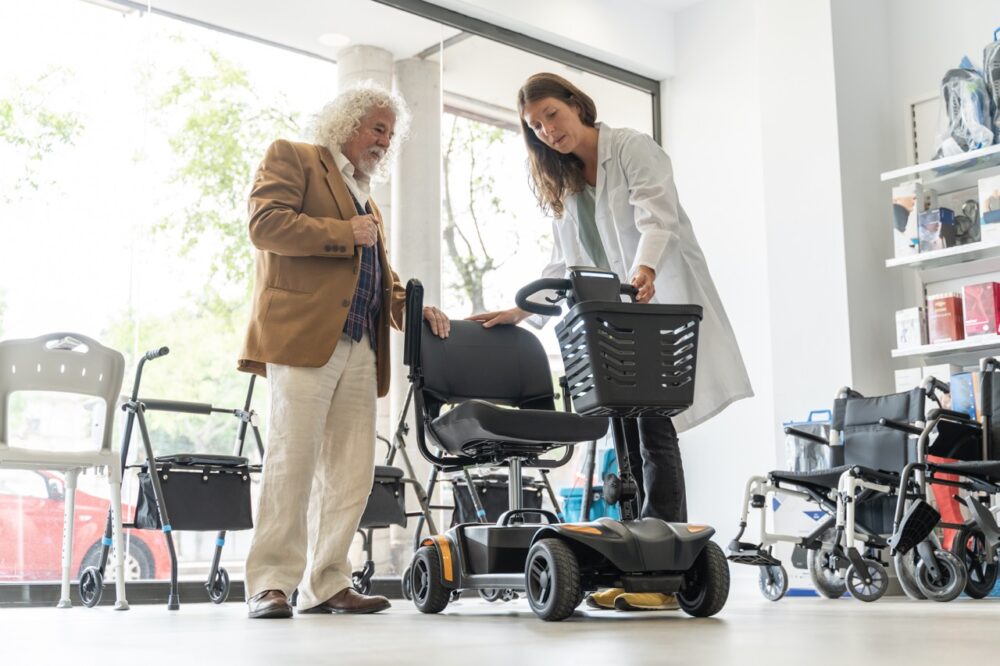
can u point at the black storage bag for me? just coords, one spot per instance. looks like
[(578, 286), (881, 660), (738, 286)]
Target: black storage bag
[(387, 501), (201, 492)]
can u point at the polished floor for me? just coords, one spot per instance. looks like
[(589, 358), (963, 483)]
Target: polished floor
[(750, 630)]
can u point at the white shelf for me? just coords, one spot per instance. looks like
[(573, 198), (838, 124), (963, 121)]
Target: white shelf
[(949, 174), (977, 343), (948, 256)]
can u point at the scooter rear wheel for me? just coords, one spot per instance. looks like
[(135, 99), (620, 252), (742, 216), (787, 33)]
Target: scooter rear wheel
[(706, 584), (429, 593)]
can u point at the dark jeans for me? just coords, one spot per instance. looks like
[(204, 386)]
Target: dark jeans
[(655, 460)]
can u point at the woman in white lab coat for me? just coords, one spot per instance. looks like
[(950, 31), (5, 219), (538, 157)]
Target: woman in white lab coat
[(614, 205)]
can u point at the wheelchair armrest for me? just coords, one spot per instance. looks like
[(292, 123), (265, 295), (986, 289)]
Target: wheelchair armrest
[(951, 415), (805, 435), (903, 427)]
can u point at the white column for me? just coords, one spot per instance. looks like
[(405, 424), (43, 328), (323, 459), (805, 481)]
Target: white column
[(416, 226), (354, 65)]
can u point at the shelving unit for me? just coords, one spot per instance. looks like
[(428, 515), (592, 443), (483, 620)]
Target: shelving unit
[(951, 265)]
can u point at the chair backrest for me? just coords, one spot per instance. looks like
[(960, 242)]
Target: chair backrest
[(61, 362), (869, 444), (504, 364)]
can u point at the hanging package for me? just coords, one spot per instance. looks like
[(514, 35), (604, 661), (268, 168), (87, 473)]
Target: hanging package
[(991, 71), (967, 121)]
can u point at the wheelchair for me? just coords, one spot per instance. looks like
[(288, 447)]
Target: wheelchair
[(955, 452), (622, 361), (871, 440)]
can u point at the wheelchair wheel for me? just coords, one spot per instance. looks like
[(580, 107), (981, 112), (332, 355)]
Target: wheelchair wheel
[(827, 580), (949, 584), (429, 593), (874, 587), (91, 586), (969, 546), (490, 594), (218, 587), (508, 594), (706, 584), (552, 579), (407, 584), (906, 573), (773, 581)]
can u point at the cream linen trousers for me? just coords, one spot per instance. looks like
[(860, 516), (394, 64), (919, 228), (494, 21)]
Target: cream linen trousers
[(318, 471)]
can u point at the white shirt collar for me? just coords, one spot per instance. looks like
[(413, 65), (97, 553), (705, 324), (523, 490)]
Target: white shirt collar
[(357, 182)]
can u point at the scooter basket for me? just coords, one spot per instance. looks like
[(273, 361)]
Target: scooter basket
[(201, 493), (628, 359)]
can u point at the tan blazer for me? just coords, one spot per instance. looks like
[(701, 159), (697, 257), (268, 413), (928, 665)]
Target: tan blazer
[(307, 266)]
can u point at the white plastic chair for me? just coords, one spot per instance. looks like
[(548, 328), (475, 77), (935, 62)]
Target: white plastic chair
[(67, 363)]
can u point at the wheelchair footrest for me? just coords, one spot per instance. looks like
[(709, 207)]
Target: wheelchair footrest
[(748, 553), (918, 522)]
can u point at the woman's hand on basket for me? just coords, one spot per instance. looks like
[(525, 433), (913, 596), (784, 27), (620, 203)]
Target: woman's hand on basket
[(491, 319), (643, 281)]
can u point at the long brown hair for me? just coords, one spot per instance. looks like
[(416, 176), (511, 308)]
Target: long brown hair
[(553, 174)]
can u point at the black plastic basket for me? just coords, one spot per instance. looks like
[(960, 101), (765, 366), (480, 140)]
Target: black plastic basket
[(628, 360)]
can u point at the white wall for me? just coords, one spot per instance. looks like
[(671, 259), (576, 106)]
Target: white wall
[(712, 132)]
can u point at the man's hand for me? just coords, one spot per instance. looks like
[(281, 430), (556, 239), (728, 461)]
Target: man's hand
[(440, 325), (491, 319), (643, 281), (365, 231)]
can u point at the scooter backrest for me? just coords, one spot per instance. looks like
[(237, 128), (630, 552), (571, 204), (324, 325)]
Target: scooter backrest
[(504, 364)]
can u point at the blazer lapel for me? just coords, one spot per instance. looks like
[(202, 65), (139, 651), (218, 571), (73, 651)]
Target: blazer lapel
[(337, 185)]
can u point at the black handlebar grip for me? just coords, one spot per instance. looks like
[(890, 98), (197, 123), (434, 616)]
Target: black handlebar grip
[(629, 290), (530, 289), (157, 353)]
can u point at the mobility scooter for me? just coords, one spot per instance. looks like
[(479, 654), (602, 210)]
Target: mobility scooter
[(623, 360)]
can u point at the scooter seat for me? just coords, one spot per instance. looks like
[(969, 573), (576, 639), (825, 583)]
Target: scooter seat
[(476, 425)]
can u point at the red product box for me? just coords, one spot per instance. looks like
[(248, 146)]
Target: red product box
[(944, 318), (981, 304)]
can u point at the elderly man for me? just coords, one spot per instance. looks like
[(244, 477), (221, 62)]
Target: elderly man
[(324, 298)]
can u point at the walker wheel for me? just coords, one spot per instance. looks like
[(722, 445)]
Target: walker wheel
[(407, 584), (869, 585), (218, 587), (91, 586), (489, 594), (362, 583)]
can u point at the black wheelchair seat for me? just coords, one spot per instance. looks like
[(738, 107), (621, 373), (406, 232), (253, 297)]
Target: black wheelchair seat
[(828, 479)]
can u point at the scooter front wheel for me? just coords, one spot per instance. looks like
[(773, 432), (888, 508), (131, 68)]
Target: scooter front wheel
[(552, 579), (429, 593), (706, 584)]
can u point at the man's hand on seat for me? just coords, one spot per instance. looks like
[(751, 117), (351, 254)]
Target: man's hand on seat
[(491, 319), (440, 324)]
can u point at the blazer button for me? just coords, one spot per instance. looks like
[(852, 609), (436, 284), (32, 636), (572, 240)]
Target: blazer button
[(346, 303), (342, 249), (329, 248)]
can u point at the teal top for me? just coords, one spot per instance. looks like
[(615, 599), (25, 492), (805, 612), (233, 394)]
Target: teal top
[(589, 236)]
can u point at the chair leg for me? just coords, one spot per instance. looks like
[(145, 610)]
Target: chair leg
[(115, 483), (69, 513)]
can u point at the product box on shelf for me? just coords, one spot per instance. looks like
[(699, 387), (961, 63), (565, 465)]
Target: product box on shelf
[(908, 379), (965, 393), (936, 229), (989, 208), (906, 238), (981, 308), (911, 327), (943, 372), (944, 318)]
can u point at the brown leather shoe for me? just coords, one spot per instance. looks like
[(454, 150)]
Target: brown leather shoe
[(269, 603), (349, 601)]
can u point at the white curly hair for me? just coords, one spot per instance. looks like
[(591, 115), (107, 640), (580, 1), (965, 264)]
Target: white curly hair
[(337, 122)]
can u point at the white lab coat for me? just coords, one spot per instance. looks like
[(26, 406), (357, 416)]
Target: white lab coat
[(641, 222)]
